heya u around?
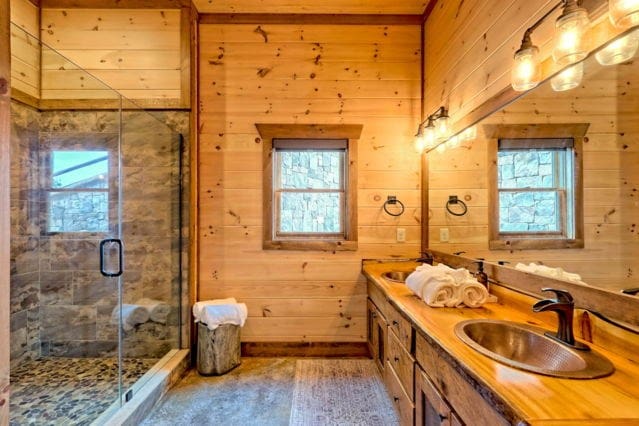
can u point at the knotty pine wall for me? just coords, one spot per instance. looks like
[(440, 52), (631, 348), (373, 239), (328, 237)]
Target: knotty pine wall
[(25, 48), (249, 74), (135, 51)]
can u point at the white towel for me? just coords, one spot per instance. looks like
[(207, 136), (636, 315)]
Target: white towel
[(215, 315), (440, 292), (132, 315), (472, 293), (158, 310), (557, 273), (198, 307)]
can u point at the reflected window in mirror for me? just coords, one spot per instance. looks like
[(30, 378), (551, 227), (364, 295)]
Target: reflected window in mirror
[(536, 188)]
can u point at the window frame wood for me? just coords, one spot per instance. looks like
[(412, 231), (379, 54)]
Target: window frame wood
[(547, 135), (348, 132)]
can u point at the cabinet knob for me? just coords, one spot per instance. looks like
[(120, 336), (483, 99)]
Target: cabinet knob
[(374, 314), (396, 359), (395, 322), (442, 417), (396, 399)]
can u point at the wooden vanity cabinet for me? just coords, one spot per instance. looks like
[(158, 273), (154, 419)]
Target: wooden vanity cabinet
[(430, 407), (377, 335)]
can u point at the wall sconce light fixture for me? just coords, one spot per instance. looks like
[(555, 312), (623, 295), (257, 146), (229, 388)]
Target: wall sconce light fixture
[(623, 13), (432, 130), (568, 78), (619, 50)]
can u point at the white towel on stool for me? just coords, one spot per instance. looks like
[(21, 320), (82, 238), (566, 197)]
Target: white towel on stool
[(215, 315), (132, 315), (198, 307), (158, 310), (472, 293)]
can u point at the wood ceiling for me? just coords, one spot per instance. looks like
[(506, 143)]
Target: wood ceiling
[(372, 7)]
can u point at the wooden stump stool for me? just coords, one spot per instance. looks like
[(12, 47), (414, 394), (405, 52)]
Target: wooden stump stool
[(218, 351)]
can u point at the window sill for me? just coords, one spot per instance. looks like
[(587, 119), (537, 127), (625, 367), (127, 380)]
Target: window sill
[(310, 245), (535, 244)]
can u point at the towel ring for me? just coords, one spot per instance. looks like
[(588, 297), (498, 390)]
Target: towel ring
[(393, 200), (452, 199)]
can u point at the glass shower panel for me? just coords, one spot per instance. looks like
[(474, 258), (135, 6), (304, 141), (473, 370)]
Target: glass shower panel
[(65, 204), (151, 217)]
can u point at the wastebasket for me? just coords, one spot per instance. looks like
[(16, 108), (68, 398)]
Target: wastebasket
[(218, 351)]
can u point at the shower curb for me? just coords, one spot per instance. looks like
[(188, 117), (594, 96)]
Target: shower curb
[(157, 382)]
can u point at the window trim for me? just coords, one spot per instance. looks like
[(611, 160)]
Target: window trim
[(349, 132), (549, 132)]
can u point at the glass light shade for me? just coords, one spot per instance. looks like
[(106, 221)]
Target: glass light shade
[(441, 148), (526, 71), (469, 134), (620, 50), (569, 78), (453, 142), (430, 136), (569, 37), (441, 128), (623, 13), (419, 143)]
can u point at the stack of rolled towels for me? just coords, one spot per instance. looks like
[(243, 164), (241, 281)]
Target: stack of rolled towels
[(142, 311), (547, 271), (442, 286), (214, 313)]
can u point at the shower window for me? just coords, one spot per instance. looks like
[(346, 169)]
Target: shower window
[(77, 192)]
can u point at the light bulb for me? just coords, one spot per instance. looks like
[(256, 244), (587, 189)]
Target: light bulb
[(440, 148), (569, 31), (568, 78), (419, 142), (526, 72), (623, 13), (430, 136), (619, 50), (454, 141)]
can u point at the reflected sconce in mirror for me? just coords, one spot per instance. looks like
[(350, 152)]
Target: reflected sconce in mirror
[(624, 13), (569, 78), (619, 50), (432, 130), (569, 46)]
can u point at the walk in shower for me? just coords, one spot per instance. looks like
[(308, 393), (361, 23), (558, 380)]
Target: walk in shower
[(98, 237)]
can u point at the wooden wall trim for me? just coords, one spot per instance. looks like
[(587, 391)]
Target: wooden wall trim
[(20, 96), (308, 19), (194, 190), (36, 3), (106, 104), (428, 10), (5, 132), (114, 4), (185, 53), (306, 349)]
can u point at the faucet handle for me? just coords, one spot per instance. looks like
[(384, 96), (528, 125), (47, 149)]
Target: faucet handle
[(563, 296)]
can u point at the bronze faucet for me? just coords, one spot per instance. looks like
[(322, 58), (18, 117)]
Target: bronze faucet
[(564, 306)]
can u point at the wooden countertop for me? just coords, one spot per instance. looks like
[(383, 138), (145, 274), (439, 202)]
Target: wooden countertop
[(534, 398)]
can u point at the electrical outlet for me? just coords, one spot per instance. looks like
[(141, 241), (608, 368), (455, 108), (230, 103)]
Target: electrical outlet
[(401, 235), (444, 235)]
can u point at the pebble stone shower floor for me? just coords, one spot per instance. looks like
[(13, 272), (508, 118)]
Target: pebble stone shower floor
[(68, 391)]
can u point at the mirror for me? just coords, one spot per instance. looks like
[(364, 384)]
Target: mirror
[(606, 104)]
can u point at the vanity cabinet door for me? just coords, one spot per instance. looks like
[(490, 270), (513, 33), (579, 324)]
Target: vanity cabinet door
[(377, 335), (430, 407)]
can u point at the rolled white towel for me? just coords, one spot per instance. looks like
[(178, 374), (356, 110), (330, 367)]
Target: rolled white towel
[(198, 307), (440, 292), (215, 315), (473, 294), (132, 315), (158, 310)]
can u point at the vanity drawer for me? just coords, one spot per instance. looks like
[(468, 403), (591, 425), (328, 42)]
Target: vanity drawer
[(378, 298), (461, 395), (402, 362), (402, 328), (403, 405)]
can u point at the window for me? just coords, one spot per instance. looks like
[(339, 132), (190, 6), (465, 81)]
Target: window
[(536, 197), (77, 191), (310, 187)]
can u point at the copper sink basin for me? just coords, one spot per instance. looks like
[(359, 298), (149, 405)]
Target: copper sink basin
[(527, 348), (396, 276)]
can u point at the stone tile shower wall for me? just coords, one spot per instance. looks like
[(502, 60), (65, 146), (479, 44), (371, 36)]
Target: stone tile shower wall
[(25, 235), (68, 302)]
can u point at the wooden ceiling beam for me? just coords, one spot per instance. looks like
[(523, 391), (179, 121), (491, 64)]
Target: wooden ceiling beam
[(114, 4), (308, 19)]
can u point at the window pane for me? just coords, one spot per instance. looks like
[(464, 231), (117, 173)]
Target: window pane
[(311, 169), (526, 168), (79, 169), (78, 211), (310, 212), (532, 211)]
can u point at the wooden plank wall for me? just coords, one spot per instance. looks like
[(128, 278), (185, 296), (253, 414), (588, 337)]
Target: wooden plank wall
[(25, 48), (611, 154), (5, 210), (355, 74), (135, 51)]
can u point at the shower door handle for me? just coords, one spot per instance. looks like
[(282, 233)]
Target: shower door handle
[(111, 249)]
